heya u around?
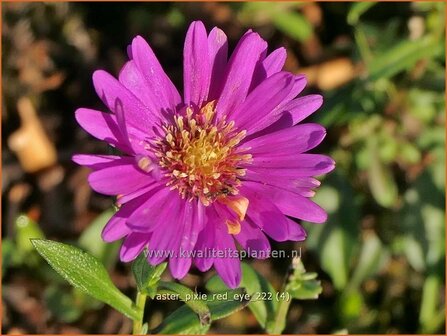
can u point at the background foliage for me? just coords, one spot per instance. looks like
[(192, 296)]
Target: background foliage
[(381, 69)]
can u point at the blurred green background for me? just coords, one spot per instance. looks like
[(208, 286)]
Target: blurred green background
[(381, 69)]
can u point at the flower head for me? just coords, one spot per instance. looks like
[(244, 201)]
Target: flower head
[(224, 165)]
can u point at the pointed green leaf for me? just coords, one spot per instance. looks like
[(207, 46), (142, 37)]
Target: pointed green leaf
[(380, 178), (187, 296), (303, 285), (256, 285), (85, 272), (26, 229), (146, 275), (403, 56), (333, 257), (185, 321), (293, 24), (373, 256), (357, 9), (432, 314)]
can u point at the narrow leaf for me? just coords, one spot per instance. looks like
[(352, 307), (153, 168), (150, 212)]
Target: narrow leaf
[(380, 178), (85, 272), (303, 285), (403, 56), (146, 275), (373, 256), (357, 9), (263, 302), (187, 296), (185, 321), (293, 24)]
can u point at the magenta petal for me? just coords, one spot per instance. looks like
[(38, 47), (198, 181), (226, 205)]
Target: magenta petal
[(272, 64), (180, 264), (196, 65), (115, 229), (228, 268), (105, 126), (159, 83), (299, 82), (204, 244), (293, 166), (114, 94), (102, 126), (206, 240), (131, 196), (132, 246), (150, 215), (262, 101), (94, 161), (131, 77), (119, 177), (264, 213), (240, 72), (165, 236), (301, 108), (299, 207), (251, 237), (291, 204), (292, 140), (301, 185), (218, 54), (296, 231)]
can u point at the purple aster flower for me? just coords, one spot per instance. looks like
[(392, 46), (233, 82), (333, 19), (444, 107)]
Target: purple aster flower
[(225, 165)]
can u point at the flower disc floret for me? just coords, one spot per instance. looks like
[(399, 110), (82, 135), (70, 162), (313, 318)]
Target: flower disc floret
[(200, 155)]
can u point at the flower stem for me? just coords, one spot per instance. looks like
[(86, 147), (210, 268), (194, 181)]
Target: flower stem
[(280, 318), (276, 327), (140, 302)]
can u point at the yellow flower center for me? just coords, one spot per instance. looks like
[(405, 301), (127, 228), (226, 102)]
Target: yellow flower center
[(200, 155)]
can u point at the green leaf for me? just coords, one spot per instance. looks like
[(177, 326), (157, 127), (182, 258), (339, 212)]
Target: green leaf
[(350, 305), (336, 241), (146, 275), (430, 305), (293, 24), (215, 284), (403, 56), (182, 321), (333, 256), (185, 321), (357, 9), (380, 178), (85, 272), (303, 285), (256, 285), (26, 229), (373, 257), (187, 296)]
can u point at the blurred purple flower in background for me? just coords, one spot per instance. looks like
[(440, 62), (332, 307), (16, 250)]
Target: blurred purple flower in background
[(225, 164)]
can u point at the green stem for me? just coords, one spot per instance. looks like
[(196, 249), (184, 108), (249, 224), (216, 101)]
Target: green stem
[(140, 302), (278, 323), (280, 317)]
